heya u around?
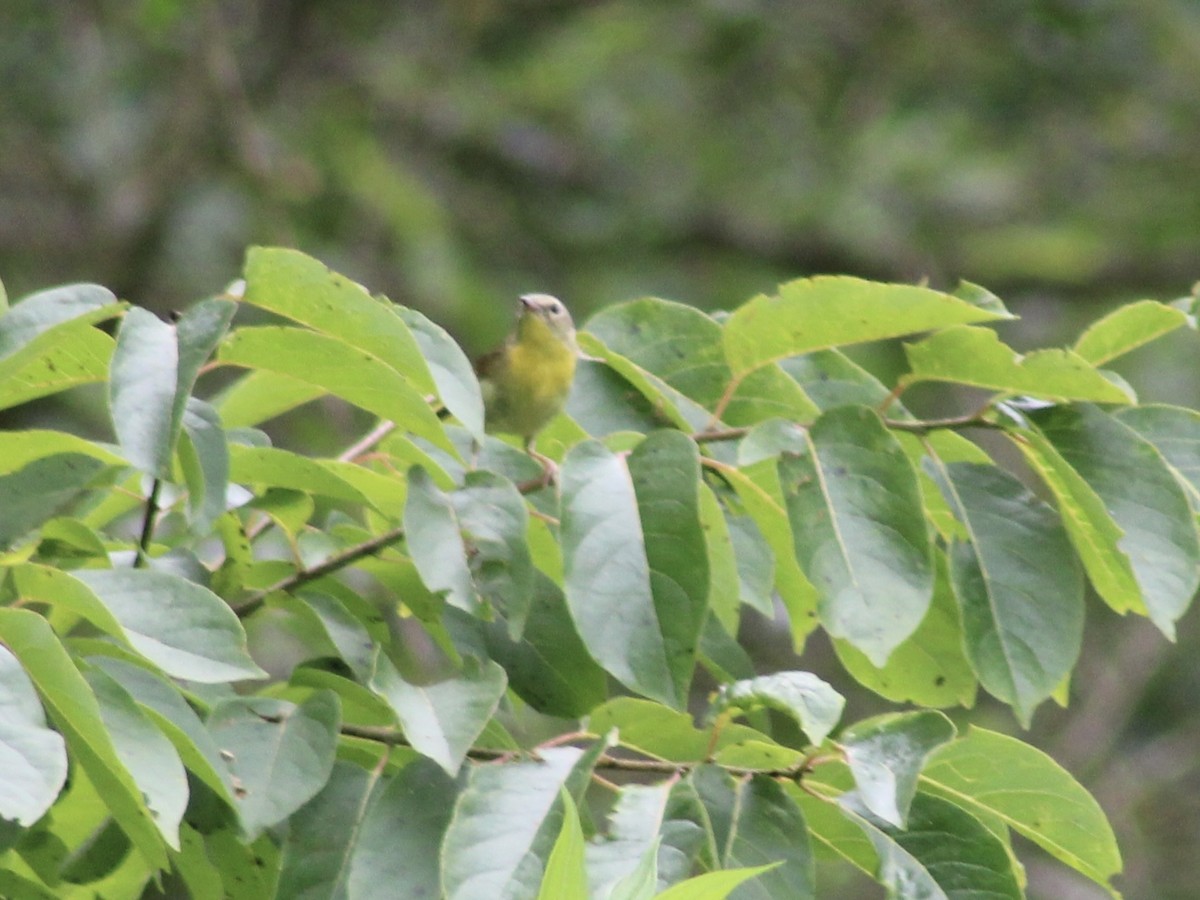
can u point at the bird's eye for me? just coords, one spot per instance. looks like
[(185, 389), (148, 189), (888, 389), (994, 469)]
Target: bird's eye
[(555, 309)]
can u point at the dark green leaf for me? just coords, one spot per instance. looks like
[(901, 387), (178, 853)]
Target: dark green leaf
[(549, 666), (399, 844), (859, 529), (1019, 589), (1175, 433), (315, 860), (635, 564), (436, 544), (945, 854), (755, 823), (41, 490), (205, 461)]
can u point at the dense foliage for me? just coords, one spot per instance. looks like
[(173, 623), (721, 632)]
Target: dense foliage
[(482, 686)]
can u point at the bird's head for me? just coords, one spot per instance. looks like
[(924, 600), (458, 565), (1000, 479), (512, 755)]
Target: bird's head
[(546, 311)]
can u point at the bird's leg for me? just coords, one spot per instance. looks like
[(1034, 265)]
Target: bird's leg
[(549, 466)]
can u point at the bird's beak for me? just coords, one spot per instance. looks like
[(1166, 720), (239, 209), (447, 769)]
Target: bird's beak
[(526, 301)]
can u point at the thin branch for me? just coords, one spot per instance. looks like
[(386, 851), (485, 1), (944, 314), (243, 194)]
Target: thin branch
[(148, 522), (719, 434), (395, 738), (952, 423), (302, 576), (368, 442)]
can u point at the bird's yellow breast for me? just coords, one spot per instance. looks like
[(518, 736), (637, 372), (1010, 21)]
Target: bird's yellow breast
[(531, 383)]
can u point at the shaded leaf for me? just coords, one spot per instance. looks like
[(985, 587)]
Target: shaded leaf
[(41, 490), (142, 391), (945, 853), (400, 840)]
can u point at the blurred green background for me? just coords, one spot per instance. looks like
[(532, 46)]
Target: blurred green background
[(453, 155)]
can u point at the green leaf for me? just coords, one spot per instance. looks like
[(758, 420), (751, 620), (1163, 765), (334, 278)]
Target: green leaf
[(502, 808), (945, 853), (886, 753), (142, 391), (204, 457), (76, 715), (33, 757), (436, 545), (1019, 589), (261, 395), (346, 632), (832, 379), (442, 720), (635, 564), (761, 494), (713, 885), (831, 311), (41, 490), (724, 588), (453, 374), (280, 754), (64, 356), (859, 529), (273, 467), (183, 628), (358, 377), (146, 754), (1002, 776), (930, 668), (315, 860), (663, 733), (626, 855), (40, 312), (19, 448), (1140, 495), (493, 520), (754, 821), (565, 874), (802, 696), (305, 290), (755, 563), (163, 701), (976, 356), (1175, 433), (399, 843), (1126, 328), (687, 354), (549, 666)]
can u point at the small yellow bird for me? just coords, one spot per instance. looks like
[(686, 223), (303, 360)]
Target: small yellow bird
[(525, 383)]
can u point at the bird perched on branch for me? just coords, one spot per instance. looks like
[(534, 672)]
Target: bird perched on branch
[(525, 383)]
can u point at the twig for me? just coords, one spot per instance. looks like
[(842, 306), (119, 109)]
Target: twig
[(332, 564), (148, 521)]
